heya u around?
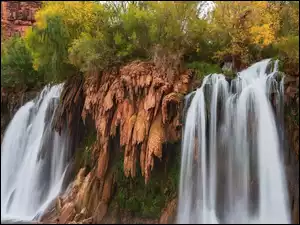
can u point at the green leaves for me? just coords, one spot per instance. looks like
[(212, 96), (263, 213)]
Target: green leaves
[(81, 36), (202, 69), (251, 30), (17, 64), (289, 47), (128, 31), (49, 46)]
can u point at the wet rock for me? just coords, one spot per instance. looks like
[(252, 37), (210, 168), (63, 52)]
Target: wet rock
[(130, 100), (128, 218), (100, 212), (87, 221), (291, 91), (107, 188), (68, 213), (291, 123), (82, 190), (290, 79), (81, 215), (116, 215), (17, 16), (169, 213), (11, 100)]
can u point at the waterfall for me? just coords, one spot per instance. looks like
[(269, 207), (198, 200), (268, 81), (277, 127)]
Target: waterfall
[(232, 160), (34, 158)]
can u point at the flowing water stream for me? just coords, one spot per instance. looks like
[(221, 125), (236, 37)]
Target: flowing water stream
[(34, 159), (231, 167), (232, 164)]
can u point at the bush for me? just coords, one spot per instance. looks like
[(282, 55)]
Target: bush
[(49, 47), (58, 25), (82, 36), (17, 65), (288, 48), (202, 68), (148, 200)]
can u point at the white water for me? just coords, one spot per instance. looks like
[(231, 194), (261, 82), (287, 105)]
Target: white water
[(33, 158), (231, 166)]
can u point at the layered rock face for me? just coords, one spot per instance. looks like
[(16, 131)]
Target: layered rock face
[(291, 121), (135, 110), (11, 101), (16, 16), (140, 103)]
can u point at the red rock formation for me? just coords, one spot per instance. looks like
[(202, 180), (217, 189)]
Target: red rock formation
[(16, 16), (169, 213), (143, 104), (135, 107)]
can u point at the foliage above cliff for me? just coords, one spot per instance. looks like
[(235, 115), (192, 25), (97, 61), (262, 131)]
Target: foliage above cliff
[(85, 36), (16, 64)]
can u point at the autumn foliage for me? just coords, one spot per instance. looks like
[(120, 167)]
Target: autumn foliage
[(124, 66), (84, 36)]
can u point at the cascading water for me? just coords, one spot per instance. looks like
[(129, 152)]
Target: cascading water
[(34, 158), (232, 167)]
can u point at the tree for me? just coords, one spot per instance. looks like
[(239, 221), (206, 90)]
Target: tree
[(17, 65), (58, 24), (243, 25), (163, 31)]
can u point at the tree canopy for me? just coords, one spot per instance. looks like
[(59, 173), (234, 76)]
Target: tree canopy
[(75, 37)]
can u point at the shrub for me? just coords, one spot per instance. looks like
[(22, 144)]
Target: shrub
[(202, 68), (17, 64)]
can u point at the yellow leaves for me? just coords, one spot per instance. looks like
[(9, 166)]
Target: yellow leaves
[(74, 13), (35, 64), (246, 23), (262, 35), (289, 46), (260, 4)]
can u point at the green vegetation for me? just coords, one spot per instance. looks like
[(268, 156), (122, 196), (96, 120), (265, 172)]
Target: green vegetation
[(202, 68), (148, 200), (83, 155), (82, 36), (16, 64)]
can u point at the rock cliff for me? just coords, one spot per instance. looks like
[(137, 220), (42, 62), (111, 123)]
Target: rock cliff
[(16, 16)]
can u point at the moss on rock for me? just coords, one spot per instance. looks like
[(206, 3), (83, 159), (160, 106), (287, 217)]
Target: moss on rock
[(148, 200), (83, 154)]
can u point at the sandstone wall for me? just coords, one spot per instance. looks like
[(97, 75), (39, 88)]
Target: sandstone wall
[(16, 16), (11, 101), (292, 141)]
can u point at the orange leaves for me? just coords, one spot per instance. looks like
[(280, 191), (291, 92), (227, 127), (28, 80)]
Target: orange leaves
[(137, 102)]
